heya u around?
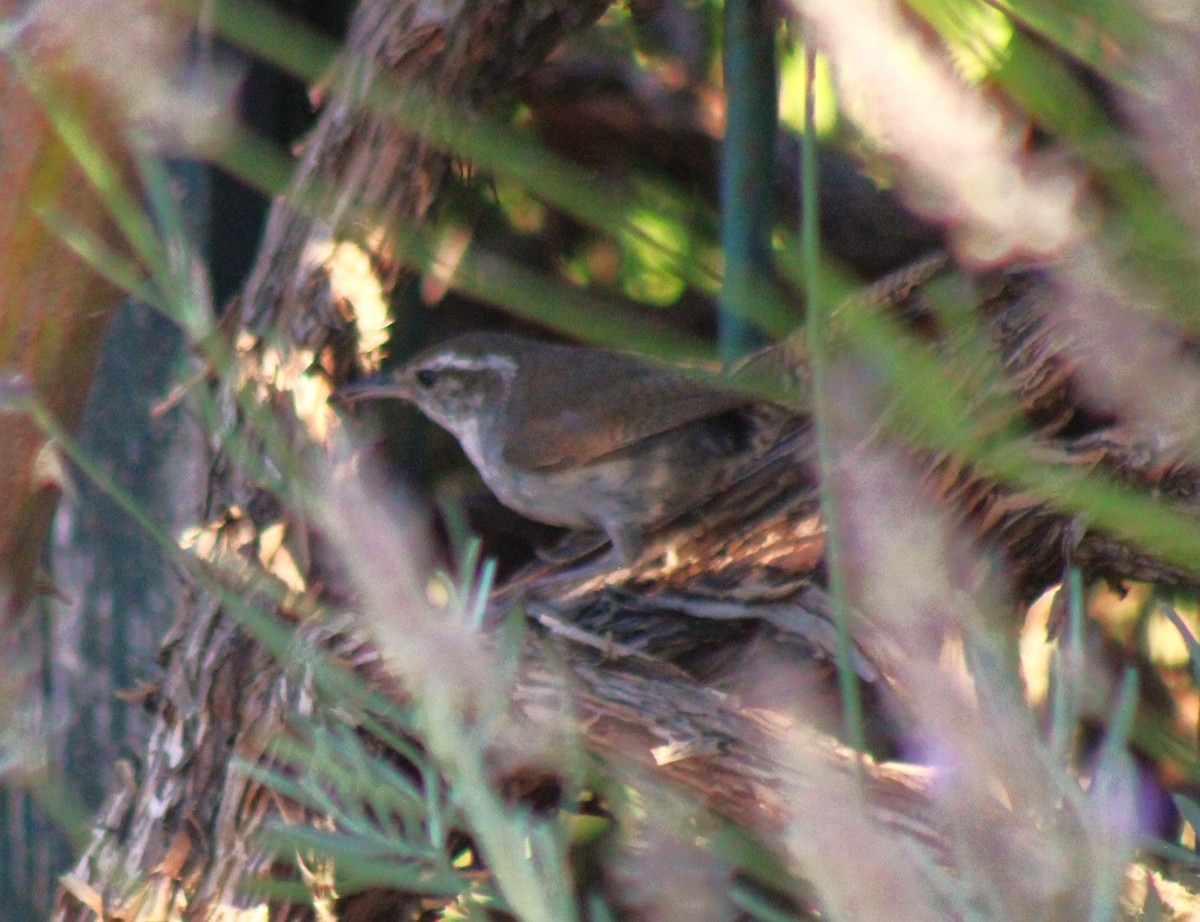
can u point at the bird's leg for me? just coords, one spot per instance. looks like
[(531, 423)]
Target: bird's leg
[(627, 547), (572, 547), (627, 543)]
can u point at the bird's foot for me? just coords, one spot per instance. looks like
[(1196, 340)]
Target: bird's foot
[(575, 546)]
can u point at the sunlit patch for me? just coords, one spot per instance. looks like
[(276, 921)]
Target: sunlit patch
[(277, 558), (1164, 644), (448, 255), (671, 556), (50, 470), (246, 342), (437, 592), (1036, 650), (1135, 617), (650, 272), (353, 281), (309, 393), (310, 397), (976, 34), (791, 94)]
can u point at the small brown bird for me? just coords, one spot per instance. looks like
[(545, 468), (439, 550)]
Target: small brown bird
[(576, 436)]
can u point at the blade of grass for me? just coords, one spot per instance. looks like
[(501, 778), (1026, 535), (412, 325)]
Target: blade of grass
[(1115, 780), (818, 343), (106, 262), (482, 591), (1067, 701), (1088, 32)]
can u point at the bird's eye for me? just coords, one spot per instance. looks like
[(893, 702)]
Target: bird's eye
[(426, 377)]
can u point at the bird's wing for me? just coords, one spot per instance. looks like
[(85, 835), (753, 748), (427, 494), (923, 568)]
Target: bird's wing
[(625, 400)]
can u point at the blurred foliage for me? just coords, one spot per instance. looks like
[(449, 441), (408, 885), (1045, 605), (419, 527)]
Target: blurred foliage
[(628, 255)]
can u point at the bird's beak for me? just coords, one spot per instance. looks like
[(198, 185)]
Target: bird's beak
[(376, 387)]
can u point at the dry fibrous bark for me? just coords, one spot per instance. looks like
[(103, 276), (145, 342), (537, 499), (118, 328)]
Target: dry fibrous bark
[(633, 646)]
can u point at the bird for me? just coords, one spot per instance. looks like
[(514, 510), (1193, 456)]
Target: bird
[(579, 436)]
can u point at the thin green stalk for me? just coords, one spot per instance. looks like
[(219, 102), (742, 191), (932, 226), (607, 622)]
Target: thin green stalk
[(1115, 780), (1067, 699), (106, 262), (852, 706), (747, 168)]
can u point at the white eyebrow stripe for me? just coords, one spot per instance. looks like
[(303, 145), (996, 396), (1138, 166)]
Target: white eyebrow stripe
[(471, 363)]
